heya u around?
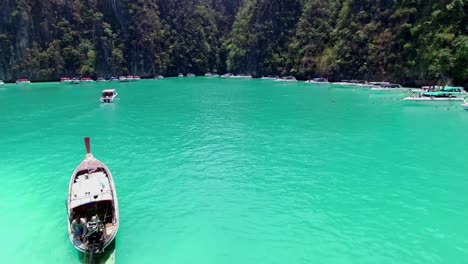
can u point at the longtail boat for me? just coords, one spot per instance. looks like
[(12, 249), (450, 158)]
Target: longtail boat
[(93, 211)]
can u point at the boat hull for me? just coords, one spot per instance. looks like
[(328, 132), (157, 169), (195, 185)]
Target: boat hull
[(432, 99), (108, 100)]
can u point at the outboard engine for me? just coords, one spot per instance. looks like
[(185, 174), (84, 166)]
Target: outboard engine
[(94, 235)]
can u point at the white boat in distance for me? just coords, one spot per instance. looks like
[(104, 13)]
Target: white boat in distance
[(23, 81), (108, 96), (190, 75), (270, 77), (2, 83), (318, 81), (209, 74), (93, 211), (65, 80), (241, 76), (227, 75), (86, 79), (388, 87), (286, 79)]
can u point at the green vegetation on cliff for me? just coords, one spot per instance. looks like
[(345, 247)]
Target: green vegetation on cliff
[(397, 40)]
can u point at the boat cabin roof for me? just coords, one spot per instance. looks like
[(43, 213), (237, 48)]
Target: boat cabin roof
[(109, 91), (89, 188)]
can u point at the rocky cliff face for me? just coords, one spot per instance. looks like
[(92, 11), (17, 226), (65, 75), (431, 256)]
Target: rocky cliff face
[(45, 39), (393, 40)]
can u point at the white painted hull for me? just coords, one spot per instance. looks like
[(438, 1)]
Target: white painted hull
[(241, 77), (312, 82), (432, 99), (282, 80), (108, 99), (465, 106)]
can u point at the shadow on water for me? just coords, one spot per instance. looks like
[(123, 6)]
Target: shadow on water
[(108, 257)]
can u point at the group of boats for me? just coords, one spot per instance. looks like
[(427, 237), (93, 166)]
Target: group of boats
[(188, 75), (92, 206), (77, 80)]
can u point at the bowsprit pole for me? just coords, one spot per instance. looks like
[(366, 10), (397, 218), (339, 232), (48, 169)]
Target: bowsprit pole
[(88, 145)]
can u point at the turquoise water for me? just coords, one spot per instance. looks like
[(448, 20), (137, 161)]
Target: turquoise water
[(238, 171)]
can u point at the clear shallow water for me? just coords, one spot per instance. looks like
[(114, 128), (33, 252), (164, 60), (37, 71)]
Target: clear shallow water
[(238, 171)]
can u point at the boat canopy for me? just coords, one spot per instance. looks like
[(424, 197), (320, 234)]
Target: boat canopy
[(90, 188), (452, 89)]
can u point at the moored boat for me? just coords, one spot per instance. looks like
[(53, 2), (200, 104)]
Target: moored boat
[(101, 79), (210, 74), (75, 80), (130, 78), (108, 96), (242, 76), (2, 83), (23, 81), (86, 79), (136, 78), (286, 79), (113, 79), (318, 81), (65, 80), (159, 77), (442, 95), (92, 207), (269, 77), (227, 75), (190, 75), (123, 79), (388, 87), (180, 75)]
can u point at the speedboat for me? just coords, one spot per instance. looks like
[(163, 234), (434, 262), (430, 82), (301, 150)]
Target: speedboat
[(227, 75), (190, 75), (130, 78), (75, 80), (65, 80), (318, 81), (23, 81), (86, 79), (387, 87), (136, 78), (180, 75), (269, 77), (123, 79), (242, 76), (113, 79), (159, 77), (92, 207), (108, 96), (101, 79), (209, 74), (2, 83), (286, 79), (442, 95)]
